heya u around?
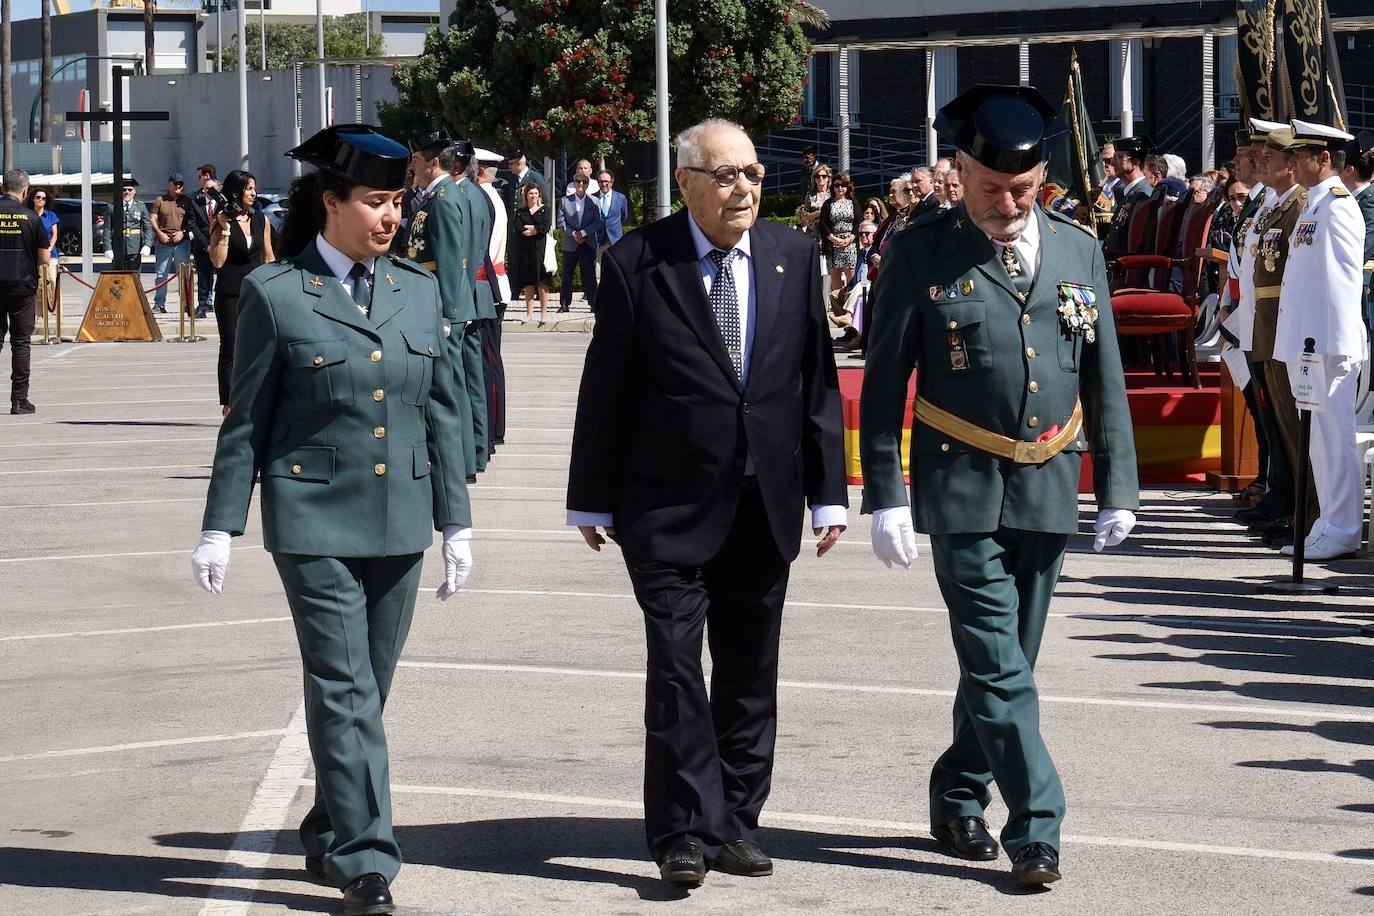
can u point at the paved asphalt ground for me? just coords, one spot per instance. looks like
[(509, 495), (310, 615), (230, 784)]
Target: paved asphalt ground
[(1215, 745)]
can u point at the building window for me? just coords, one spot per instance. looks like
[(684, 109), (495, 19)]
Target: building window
[(946, 65), (1137, 76), (1228, 92)]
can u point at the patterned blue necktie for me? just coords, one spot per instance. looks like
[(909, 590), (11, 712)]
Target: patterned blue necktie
[(725, 306), (362, 287)]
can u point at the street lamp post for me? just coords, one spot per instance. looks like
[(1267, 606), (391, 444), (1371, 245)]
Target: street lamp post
[(33, 109)]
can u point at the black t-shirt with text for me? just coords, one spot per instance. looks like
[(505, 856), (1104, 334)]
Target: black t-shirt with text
[(21, 238)]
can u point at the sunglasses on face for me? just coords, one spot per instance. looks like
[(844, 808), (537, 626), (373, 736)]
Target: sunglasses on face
[(727, 175)]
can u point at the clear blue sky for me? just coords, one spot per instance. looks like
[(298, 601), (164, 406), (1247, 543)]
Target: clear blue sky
[(29, 9)]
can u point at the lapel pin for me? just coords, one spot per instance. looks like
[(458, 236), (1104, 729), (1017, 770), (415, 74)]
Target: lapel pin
[(966, 287), (959, 225), (390, 278), (779, 268), (315, 282)]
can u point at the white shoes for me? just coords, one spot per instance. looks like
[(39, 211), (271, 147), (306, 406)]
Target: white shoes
[(1323, 547)]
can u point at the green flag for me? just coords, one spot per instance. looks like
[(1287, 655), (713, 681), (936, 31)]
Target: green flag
[(1075, 167)]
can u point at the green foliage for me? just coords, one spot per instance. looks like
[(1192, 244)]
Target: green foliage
[(344, 37), (579, 74)]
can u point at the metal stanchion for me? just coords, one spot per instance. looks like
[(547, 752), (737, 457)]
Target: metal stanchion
[(44, 297), (186, 289), (1296, 584)]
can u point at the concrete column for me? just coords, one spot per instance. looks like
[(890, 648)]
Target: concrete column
[(842, 121), (1209, 101), (932, 142), (1023, 61), (1127, 116)]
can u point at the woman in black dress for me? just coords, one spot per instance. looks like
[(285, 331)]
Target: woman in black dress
[(238, 244), (527, 254)]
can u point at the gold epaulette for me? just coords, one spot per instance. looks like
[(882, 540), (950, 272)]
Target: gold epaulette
[(1340, 190)]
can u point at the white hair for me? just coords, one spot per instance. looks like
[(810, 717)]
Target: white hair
[(921, 170), (689, 141), (1177, 167)]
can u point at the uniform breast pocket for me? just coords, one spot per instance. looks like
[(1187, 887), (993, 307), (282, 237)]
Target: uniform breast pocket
[(422, 349), (958, 336), (1070, 349), (318, 373)]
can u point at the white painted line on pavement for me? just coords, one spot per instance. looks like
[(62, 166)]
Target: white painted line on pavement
[(127, 467), (106, 556), (151, 401), (241, 874), (902, 827), (161, 629), (85, 443), (117, 502), (1242, 709), (142, 745)]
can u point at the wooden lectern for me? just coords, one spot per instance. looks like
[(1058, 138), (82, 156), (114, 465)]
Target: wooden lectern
[(119, 310)]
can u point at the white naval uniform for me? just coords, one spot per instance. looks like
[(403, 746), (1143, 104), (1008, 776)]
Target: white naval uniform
[(1245, 267), (1321, 299), (497, 248)]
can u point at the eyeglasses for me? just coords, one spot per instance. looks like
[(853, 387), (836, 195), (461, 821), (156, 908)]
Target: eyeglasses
[(727, 175)]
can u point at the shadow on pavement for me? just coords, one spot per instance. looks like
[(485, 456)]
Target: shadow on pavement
[(213, 423), (539, 847)]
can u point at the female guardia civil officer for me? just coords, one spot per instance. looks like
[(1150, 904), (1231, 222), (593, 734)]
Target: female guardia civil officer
[(336, 406)]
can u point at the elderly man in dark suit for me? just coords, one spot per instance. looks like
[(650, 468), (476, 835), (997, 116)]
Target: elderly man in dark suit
[(709, 413)]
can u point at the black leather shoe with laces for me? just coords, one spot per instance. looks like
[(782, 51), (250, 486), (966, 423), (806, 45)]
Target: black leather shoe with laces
[(368, 896), (967, 838), (1035, 864)]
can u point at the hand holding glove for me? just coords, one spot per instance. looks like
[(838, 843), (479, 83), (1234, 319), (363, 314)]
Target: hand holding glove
[(1112, 527), (457, 552), (144, 251), (211, 560), (894, 537)]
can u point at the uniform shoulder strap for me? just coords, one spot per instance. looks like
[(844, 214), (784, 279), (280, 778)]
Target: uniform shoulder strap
[(1340, 190)]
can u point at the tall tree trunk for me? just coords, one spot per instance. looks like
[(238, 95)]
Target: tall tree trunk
[(149, 32), (45, 93), (6, 90)]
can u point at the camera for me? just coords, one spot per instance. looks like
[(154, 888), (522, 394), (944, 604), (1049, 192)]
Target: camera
[(230, 208)]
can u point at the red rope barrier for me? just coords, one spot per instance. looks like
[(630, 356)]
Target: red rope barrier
[(151, 289)]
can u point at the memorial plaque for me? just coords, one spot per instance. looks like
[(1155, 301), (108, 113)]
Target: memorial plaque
[(118, 311)]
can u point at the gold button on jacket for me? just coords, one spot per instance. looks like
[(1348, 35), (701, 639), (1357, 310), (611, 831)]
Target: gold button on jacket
[(379, 469), (375, 356)]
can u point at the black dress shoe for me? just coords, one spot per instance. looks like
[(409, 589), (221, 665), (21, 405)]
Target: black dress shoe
[(472, 478), (314, 867), (368, 896), (22, 406), (685, 864), (160, 309), (967, 838), (1261, 515), (744, 858), (1035, 864)]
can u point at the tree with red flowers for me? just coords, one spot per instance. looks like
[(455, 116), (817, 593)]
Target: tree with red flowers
[(579, 74)]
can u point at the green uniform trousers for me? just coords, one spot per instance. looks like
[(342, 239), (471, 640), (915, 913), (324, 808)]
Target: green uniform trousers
[(473, 378), (352, 615), (454, 351), (998, 588)]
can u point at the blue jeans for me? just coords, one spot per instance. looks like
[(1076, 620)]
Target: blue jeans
[(168, 259)]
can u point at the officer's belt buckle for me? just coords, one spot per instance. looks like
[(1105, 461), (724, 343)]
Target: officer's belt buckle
[(1029, 453)]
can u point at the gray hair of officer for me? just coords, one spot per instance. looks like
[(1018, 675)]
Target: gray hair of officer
[(450, 160), (16, 182), (689, 141)]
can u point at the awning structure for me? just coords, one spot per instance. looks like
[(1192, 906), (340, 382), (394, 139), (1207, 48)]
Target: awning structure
[(72, 178)]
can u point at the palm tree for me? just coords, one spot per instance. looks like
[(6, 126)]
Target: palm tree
[(149, 31), (6, 91), (45, 93)]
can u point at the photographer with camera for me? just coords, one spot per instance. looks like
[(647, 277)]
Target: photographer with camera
[(239, 241), (202, 216)]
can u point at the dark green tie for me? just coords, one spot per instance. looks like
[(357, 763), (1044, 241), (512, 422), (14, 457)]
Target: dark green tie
[(1016, 270), (362, 287)]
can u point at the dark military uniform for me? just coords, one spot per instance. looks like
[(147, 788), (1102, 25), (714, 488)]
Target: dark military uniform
[(138, 231), (999, 369), (478, 219), (341, 408), (21, 239)]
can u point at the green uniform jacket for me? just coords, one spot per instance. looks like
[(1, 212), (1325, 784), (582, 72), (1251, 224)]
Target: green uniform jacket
[(1013, 370), (479, 237), (357, 440), (138, 229), (440, 240), (1366, 202)]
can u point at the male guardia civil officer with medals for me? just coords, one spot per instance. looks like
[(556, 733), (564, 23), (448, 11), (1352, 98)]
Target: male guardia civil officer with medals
[(1262, 273), (1129, 160), (1321, 300), (1004, 307), (338, 410), (441, 241), (457, 158)]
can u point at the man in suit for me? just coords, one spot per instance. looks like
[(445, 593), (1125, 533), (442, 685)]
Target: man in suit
[(614, 209), (1134, 190), (1005, 307), (580, 221), (708, 414), (202, 218), (923, 190), (441, 241), (524, 177)]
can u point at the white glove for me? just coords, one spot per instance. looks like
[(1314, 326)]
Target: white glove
[(894, 537), (109, 254), (1112, 527), (144, 251), (457, 552), (210, 560)]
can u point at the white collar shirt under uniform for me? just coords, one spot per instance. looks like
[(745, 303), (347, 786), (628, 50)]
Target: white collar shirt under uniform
[(1237, 252), (1027, 246), (1245, 261), (1323, 281), (741, 265), (340, 264), (497, 248)]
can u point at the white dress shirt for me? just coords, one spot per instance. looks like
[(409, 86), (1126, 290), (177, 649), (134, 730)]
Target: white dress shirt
[(341, 264), (1027, 246), (741, 264)]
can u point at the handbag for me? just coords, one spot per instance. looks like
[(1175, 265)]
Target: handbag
[(550, 257)]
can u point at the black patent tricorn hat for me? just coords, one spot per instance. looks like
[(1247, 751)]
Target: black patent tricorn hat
[(357, 153), (463, 149), (1136, 147), (431, 141), (1009, 129)]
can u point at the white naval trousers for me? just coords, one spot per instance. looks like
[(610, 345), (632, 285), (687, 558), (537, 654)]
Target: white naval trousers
[(1336, 467)]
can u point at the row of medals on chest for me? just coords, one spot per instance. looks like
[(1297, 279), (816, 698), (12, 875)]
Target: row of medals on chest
[(1270, 245)]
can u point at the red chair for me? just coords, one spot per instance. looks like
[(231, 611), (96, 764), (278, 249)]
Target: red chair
[(1157, 310)]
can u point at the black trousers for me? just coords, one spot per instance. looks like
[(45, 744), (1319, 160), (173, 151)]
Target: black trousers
[(1275, 469), (494, 377), (227, 320), (205, 275), (708, 763), (16, 322)]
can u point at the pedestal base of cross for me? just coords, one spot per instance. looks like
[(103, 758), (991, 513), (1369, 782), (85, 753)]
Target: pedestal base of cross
[(118, 311)]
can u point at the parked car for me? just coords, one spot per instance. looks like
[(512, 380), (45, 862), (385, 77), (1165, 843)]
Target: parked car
[(274, 207), (68, 210)]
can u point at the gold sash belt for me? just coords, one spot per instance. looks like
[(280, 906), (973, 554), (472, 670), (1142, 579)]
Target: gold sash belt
[(1267, 292), (429, 265), (986, 440)]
